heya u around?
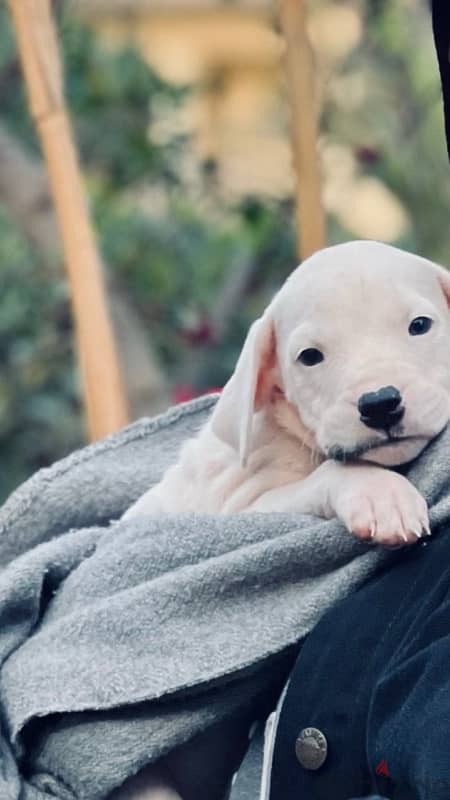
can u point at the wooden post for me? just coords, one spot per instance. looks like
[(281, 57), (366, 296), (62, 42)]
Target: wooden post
[(101, 382), (300, 76)]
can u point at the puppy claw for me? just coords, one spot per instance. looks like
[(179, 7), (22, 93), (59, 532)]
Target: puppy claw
[(418, 533)]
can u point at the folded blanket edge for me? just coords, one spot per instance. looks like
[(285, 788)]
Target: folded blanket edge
[(21, 499)]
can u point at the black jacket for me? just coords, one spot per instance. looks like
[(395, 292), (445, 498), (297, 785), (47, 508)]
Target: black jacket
[(374, 679), (441, 31)]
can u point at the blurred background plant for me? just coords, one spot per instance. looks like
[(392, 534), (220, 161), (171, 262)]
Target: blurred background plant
[(181, 120)]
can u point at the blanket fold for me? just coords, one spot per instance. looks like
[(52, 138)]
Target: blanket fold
[(120, 640)]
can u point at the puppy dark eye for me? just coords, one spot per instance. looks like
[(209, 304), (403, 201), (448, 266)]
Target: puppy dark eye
[(420, 325), (310, 357)]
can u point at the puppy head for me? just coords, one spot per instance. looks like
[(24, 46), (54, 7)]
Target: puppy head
[(365, 358), (356, 343)]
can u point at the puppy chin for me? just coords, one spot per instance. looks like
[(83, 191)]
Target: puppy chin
[(395, 453), (380, 450)]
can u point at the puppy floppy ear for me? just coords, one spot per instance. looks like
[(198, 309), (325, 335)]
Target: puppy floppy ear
[(443, 276), (248, 389)]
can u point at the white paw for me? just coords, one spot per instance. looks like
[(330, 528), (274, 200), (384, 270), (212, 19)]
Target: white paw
[(382, 506)]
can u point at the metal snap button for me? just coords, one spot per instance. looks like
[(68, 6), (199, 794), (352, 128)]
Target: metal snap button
[(311, 748)]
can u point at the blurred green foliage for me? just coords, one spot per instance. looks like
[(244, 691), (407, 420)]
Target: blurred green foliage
[(39, 409), (172, 264)]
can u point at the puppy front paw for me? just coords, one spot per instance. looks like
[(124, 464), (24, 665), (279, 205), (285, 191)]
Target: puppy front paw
[(382, 506)]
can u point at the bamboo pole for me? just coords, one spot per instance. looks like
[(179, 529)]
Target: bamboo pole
[(300, 76), (39, 55)]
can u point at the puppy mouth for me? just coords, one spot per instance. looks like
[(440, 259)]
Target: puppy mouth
[(339, 453)]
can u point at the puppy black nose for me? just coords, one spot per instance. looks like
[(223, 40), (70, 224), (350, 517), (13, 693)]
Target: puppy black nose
[(381, 409)]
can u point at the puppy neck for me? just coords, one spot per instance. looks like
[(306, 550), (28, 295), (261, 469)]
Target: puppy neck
[(288, 418), (279, 430)]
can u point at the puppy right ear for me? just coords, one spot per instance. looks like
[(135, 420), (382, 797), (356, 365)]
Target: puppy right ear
[(443, 276), (248, 388)]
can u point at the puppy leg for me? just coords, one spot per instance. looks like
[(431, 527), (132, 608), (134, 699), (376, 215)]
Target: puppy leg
[(372, 502)]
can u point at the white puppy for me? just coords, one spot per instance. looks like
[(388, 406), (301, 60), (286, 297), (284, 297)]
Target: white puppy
[(346, 372)]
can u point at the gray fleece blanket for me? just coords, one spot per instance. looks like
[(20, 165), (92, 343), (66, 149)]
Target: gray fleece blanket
[(121, 641)]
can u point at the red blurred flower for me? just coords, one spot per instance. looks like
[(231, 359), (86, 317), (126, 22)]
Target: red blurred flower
[(367, 155), (198, 333)]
